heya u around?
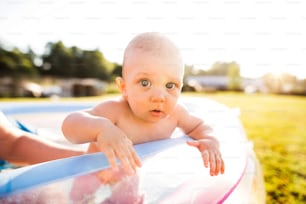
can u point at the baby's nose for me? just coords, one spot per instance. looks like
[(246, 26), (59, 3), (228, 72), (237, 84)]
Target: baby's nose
[(158, 95)]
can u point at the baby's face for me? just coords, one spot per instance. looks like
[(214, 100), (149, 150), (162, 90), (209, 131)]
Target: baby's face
[(152, 85)]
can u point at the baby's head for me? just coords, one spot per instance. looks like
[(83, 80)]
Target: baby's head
[(152, 76), (155, 45)]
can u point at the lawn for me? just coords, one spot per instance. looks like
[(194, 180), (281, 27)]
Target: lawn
[(277, 126)]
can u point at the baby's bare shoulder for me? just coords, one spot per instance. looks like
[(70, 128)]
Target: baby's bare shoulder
[(186, 119), (112, 106), (181, 110)]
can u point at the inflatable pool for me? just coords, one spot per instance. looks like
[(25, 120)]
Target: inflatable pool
[(172, 171)]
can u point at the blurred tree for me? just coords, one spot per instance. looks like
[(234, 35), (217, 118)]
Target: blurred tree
[(77, 61), (117, 71), (287, 78), (191, 70), (14, 66), (231, 70), (95, 65), (282, 83), (234, 76), (272, 82), (14, 63), (218, 69), (58, 61)]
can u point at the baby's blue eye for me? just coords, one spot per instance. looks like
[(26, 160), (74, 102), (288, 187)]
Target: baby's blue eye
[(170, 85), (145, 83)]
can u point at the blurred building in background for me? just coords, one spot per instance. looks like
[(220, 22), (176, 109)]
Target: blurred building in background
[(62, 88)]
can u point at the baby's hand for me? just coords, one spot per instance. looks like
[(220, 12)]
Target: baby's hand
[(109, 176), (115, 144), (211, 155)]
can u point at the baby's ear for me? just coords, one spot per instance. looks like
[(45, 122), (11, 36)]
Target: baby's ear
[(121, 85)]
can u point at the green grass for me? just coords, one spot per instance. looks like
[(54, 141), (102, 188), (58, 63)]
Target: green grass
[(277, 126)]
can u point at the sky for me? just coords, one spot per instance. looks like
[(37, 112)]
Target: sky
[(260, 35)]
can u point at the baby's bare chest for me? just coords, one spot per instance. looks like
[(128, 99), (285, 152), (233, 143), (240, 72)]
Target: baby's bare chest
[(140, 133)]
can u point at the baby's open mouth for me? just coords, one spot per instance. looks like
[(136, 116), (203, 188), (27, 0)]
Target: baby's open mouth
[(156, 111)]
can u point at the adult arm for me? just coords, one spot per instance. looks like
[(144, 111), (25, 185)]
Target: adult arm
[(18, 146)]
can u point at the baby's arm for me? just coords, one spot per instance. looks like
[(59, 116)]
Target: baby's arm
[(204, 141), (86, 126)]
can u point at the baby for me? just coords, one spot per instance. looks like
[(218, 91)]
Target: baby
[(151, 82)]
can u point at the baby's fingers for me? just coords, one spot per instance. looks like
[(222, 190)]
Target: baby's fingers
[(126, 160), (216, 164), (136, 159), (220, 164), (128, 157), (110, 155), (205, 156), (212, 164)]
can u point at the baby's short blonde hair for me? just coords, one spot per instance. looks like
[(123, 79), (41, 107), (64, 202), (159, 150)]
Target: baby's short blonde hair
[(155, 44)]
